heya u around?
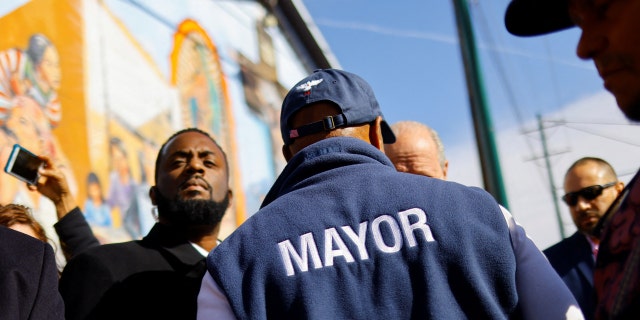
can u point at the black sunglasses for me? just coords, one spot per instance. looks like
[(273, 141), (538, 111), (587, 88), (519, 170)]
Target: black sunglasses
[(588, 193)]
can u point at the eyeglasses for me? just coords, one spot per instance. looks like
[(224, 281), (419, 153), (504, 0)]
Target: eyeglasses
[(588, 193)]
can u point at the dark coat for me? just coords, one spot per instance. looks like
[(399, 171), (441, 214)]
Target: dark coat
[(75, 233), (157, 277), (28, 278), (573, 260)]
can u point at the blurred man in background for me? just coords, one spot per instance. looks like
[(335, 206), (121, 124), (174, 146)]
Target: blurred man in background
[(418, 150), (591, 185)]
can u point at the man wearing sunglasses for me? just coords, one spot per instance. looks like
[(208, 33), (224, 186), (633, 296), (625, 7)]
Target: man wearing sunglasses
[(591, 185)]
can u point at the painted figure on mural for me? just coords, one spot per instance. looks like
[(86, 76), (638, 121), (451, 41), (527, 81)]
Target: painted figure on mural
[(146, 160), (96, 210), (29, 111), (138, 217), (122, 187), (31, 78), (26, 124), (34, 72), (199, 79)]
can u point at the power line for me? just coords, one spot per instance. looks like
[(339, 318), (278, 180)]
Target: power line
[(596, 123), (602, 135), (500, 68), (575, 125)]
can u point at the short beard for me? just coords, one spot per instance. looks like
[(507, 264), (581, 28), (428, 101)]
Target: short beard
[(189, 213)]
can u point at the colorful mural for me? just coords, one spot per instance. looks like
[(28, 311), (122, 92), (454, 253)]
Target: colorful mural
[(100, 85)]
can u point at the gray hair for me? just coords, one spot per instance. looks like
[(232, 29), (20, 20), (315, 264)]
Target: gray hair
[(417, 128)]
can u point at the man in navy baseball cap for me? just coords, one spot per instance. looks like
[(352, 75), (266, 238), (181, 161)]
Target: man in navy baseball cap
[(342, 234), (352, 94)]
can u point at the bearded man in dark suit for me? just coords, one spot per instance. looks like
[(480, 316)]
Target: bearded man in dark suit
[(159, 276)]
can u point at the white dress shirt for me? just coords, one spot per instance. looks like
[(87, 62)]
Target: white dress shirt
[(212, 302)]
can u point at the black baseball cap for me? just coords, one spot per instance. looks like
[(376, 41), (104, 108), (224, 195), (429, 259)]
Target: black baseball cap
[(537, 17)]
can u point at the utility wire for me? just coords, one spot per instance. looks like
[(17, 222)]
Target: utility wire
[(486, 31), (596, 123), (602, 135), (575, 125)]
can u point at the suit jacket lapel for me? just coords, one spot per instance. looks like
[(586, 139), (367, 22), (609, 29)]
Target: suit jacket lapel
[(586, 264), (586, 268), (177, 250)]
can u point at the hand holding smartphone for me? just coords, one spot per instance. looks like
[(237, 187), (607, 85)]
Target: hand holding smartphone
[(24, 165)]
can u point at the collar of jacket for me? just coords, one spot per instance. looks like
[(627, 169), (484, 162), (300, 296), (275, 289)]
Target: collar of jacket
[(173, 241), (323, 156)]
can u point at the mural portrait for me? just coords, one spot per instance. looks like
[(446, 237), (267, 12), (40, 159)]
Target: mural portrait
[(99, 85)]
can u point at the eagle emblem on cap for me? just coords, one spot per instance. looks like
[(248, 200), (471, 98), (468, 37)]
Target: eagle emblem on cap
[(306, 87)]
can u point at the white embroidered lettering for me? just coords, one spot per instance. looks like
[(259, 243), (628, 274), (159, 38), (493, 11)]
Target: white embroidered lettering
[(421, 225), (395, 232), (385, 230), (331, 236), (307, 244), (358, 239)]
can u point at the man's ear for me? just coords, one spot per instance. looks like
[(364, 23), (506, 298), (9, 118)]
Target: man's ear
[(375, 134), (445, 169), (152, 195), (286, 152), (230, 198)]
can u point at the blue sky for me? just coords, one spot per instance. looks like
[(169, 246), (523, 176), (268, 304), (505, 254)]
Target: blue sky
[(408, 51)]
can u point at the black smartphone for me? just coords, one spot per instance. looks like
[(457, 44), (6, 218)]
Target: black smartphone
[(23, 165)]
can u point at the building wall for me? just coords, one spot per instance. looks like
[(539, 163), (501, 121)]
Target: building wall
[(119, 77)]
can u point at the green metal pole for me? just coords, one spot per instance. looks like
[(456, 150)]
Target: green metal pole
[(491, 173), (552, 184)]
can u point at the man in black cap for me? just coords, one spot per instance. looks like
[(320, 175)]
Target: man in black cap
[(343, 235), (611, 38)]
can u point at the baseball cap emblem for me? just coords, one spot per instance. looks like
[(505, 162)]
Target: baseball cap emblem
[(306, 87)]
